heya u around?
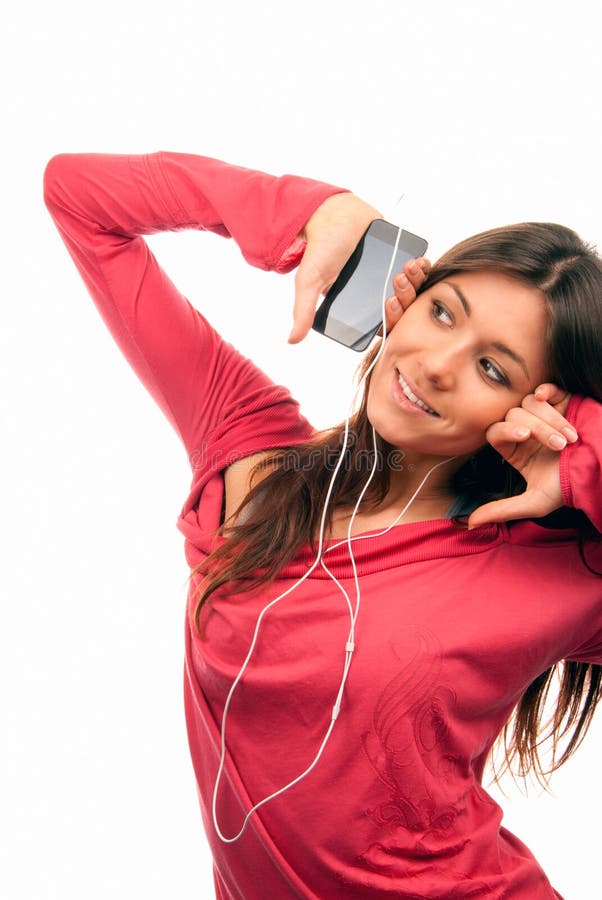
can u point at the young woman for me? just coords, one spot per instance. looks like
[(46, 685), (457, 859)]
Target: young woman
[(488, 383)]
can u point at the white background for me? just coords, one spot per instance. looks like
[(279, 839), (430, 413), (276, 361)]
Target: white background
[(480, 114)]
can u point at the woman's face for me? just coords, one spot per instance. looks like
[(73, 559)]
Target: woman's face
[(468, 349)]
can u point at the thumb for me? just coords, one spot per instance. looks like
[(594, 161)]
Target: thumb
[(308, 287), (502, 511)]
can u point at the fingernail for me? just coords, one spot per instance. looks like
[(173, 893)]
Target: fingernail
[(556, 442), (403, 282), (522, 432), (570, 434), (413, 266), (395, 304)]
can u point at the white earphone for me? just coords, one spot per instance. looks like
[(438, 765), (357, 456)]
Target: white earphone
[(353, 613)]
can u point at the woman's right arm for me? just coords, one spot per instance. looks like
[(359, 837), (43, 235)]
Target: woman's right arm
[(102, 204)]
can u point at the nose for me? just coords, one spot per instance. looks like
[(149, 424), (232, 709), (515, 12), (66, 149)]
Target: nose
[(440, 367)]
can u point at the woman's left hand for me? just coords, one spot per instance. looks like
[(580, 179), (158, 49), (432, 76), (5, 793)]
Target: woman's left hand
[(530, 439)]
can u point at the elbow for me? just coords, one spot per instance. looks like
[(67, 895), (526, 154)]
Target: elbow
[(56, 177)]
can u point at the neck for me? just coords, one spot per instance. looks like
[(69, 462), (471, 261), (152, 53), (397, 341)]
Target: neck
[(437, 489)]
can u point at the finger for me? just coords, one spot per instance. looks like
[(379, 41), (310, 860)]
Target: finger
[(416, 270), (507, 439), (523, 506), (393, 313), (551, 414), (307, 293), (407, 282), (423, 263), (404, 289), (519, 427), (553, 394)]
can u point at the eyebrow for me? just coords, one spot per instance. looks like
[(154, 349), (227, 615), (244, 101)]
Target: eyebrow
[(497, 344)]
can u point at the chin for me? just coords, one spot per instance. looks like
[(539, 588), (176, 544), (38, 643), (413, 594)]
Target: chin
[(412, 438), (427, 445)]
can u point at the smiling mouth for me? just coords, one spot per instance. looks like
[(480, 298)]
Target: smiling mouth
[(411, 396)]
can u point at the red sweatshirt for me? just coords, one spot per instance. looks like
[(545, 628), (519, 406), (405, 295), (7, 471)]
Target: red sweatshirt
[(454, 625)]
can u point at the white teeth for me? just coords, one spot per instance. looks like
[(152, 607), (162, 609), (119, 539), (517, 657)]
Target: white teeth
[(412, 397)]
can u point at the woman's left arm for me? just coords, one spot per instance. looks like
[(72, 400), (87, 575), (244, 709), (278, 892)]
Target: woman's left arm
[(555, 442), (581, 462)]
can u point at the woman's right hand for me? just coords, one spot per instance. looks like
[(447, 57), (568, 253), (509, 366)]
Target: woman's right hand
[(332, 234)]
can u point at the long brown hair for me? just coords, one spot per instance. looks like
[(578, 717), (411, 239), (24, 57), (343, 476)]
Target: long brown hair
[(568, 271)]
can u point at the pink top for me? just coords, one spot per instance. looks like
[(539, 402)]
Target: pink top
[(454, 625)]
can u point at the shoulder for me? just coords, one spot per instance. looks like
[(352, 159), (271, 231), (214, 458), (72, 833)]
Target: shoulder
[(238, 480)]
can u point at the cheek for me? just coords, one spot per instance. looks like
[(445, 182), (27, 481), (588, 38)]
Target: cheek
[(484, 409)]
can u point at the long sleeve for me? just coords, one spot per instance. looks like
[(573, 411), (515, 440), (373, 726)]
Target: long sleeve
[(581, 483), (581, 463), (102, 204)]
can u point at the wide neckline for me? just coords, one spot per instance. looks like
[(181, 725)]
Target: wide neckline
[(407, 542), (404, 543)]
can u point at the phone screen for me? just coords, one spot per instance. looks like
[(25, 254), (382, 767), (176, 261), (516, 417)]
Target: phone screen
[(351, 311)]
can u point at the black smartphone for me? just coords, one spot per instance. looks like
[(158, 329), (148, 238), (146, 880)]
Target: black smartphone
[(351, 312)]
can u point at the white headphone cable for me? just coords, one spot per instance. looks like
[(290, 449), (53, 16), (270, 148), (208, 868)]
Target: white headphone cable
[(350, 644)]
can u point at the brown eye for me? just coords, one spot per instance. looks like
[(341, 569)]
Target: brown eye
[(492, 372), (441, 314)]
